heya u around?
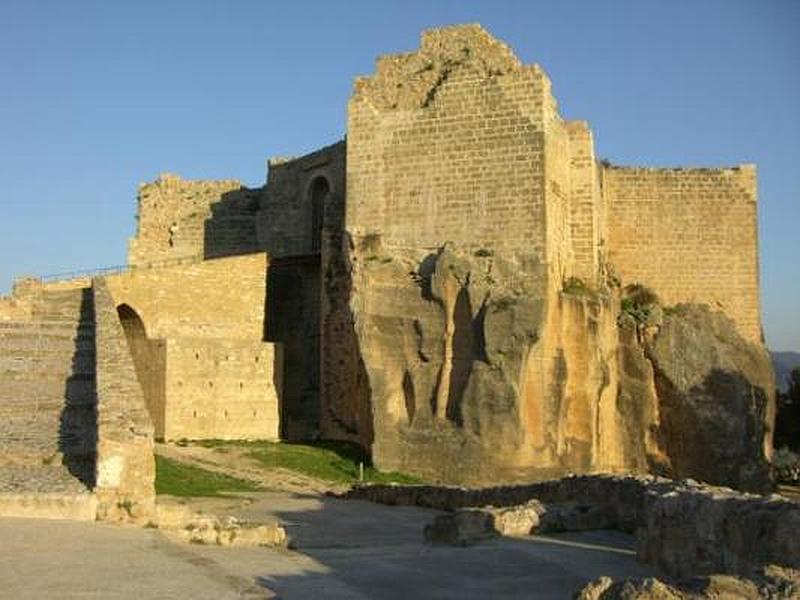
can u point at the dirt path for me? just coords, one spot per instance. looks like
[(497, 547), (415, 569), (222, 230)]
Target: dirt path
[(233, 461)]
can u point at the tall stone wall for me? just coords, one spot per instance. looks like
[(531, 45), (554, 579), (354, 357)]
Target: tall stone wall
[(689, 234), (447, 144), (586, 225), (178, 218)]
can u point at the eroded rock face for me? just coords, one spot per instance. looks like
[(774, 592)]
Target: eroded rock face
[(444, 337), (475, 370), (715, 399)]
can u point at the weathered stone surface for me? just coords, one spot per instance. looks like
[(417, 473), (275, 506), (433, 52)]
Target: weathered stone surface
[(518, 520), (462, 528), (769, 583), (468, 526), (715, 399), (443, 338), (180, 522), (576, 516)]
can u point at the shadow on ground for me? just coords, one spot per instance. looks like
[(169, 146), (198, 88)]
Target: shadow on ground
[(356, 549)]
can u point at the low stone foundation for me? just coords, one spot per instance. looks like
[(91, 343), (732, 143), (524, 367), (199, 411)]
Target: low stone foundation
[(181, 523), (682, 527), (76, 507)]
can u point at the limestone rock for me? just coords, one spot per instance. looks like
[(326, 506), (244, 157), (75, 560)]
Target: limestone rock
[(518, 520), (462, 528), (771, 582), (716, 399), (577, 516), (179, 521), (443, 339), (468, 526)]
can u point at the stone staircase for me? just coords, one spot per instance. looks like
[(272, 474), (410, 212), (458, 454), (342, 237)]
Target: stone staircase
[(48, 409)]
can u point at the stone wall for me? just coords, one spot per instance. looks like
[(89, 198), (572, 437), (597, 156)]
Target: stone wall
[(286, 213), (689, 234), (17, 306), (219, 388), (586, 224), (125, 472), (682, 527), (179, 218), (447, 144), (202, 360), (221, 298)]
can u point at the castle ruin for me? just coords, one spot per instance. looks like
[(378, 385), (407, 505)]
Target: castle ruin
[(444, 287)]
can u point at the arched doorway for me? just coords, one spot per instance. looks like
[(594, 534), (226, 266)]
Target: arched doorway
[(149, 362), (318, 192), (131, 322)]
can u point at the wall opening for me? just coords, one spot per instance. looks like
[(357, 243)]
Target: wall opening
[(318, 192), (149, 361), (131, 322)]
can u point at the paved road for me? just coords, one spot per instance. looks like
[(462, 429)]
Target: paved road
[(343, 549)]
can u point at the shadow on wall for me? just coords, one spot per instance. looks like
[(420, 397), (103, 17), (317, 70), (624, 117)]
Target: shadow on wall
[(292, 322), (150, 364), (231, 228), (715, 431), (346, 401), (77, 436)]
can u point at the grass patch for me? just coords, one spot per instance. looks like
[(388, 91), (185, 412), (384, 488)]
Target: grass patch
[(179, 479), (337, 462)]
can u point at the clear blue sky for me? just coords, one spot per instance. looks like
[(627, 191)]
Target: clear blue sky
[(98, 96)]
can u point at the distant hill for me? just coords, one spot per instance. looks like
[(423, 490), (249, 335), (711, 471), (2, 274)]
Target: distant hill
[(784, 362)]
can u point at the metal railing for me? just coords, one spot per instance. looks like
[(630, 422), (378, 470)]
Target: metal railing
[(116, 269)]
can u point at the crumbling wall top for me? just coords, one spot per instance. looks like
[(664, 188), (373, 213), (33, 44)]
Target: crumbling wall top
[(409, 80)]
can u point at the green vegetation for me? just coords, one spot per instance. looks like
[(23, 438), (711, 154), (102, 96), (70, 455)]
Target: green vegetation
[(640, 302), (179, 479), (330, 461)]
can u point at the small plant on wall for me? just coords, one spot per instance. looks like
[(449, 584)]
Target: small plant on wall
[(641, 304)]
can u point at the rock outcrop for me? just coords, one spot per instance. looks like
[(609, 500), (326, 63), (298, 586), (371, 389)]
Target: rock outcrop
[(477, 371), (768, 583), (715, 395), (444, 338)]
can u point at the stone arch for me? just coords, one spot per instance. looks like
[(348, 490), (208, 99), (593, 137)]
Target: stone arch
[(318, 192), (149, 361), (132, 323)]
